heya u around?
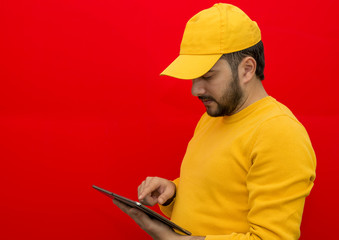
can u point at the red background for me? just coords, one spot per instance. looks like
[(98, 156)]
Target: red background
[(82, 103)]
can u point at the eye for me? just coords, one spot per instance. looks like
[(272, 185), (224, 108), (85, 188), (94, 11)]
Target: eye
[(209, 75), (206, 77)]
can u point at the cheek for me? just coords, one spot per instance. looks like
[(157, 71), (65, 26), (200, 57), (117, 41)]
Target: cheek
[(218, 89)]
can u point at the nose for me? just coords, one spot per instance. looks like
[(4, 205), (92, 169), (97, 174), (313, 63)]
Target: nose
[(198, 88)]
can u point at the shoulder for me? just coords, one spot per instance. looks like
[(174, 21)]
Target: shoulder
[(278, 119), (283, 139), (280, 132)]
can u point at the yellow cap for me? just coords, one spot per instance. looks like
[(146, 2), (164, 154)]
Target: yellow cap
[(208, 35)]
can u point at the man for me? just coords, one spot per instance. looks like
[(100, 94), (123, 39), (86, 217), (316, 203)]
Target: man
[(250, 164)]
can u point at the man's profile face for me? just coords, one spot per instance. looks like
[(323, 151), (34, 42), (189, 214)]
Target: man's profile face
[(219, 90)]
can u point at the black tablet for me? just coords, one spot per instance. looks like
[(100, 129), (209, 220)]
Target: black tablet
[(141, 207)]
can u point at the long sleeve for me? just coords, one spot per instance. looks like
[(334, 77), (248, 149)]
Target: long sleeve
[(245, 176), (279, 179), (167, 210)]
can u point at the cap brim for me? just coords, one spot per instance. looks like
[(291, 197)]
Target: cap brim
[(191, 66)]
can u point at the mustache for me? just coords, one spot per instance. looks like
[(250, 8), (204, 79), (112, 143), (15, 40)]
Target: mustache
[(206, 98)]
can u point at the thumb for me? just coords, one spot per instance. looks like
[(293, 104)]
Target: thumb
[(164, 197)]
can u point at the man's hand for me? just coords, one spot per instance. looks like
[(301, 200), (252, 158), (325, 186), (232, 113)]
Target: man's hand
[(156, 229), (156, 190)]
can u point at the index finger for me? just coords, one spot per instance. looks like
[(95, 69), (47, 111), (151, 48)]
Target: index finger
[(148, 189)]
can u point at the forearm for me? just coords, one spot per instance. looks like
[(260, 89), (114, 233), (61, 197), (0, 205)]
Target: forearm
[(193, 238), (197, 238)]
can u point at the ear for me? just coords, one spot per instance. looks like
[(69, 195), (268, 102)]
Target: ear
[(247, 69)]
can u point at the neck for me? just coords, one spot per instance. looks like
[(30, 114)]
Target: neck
[(252, 93)]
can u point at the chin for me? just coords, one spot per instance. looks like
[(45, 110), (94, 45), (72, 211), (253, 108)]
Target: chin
[(212, 114)]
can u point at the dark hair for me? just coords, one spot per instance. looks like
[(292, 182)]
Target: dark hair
[(256, 51)]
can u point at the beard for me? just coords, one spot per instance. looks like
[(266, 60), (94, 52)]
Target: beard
[(229, 101)]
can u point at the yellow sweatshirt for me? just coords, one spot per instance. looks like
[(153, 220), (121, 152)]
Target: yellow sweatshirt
[(245, 176)]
